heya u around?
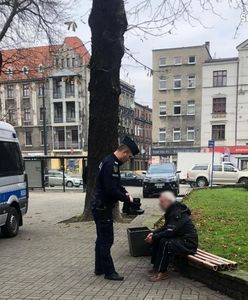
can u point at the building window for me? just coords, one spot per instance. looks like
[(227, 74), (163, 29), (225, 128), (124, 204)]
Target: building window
[(177, 82), (220, 78), (191, 107), (56, 62), (73, 62), (162, 84), (28, 138), (58, 112), (190, 133), (218, 132), (57, 88), (10, 91), (40, 89), (219, 105), (178, 60), (191, 81), (41, 68), (70, 88), (25, 90), (70, 112), (62, 63), (177, 108), (41, 113), (192, 59), (10, 72), (162, 109), (27, 115), (162, 135), (25, 70), (68, 62), (11, 116), (176, 134), (162, 62)]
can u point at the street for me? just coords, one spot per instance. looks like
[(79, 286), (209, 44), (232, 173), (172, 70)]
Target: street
[(51, 260)]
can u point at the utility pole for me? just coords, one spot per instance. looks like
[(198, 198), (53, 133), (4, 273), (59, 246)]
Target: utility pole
[(44, 117)]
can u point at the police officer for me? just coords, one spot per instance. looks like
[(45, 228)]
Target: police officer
[(107, 193)]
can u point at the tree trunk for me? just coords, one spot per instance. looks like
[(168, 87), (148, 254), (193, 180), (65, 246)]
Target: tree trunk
[(108, 24)]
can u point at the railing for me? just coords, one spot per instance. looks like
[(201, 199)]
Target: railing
[(58, 119), (70, 119), (57, 95), (65, 145)]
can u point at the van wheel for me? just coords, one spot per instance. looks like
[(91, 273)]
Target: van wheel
[(201, 182), (11, 228), (145, 195)]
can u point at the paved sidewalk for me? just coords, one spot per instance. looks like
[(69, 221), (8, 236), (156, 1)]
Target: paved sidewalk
[(55, 261)]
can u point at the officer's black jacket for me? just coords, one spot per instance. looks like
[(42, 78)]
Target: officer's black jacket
[(178, 224), (108, 189)]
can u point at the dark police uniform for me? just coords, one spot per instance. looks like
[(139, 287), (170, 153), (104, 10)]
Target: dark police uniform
[(177, 237), (108, 192)]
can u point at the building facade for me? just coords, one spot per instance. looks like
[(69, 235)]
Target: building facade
[(177, 94), (143, 135), (53, 78), (225, 105), (126, 110)]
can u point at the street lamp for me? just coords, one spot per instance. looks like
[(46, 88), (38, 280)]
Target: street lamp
[(44, 113)]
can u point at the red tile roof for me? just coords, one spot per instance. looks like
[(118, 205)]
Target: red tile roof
[(32, 58)]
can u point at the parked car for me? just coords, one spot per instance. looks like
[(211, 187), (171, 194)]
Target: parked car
[(55, 178), (131, 179), (224, 173), (13, 182), (159, 178)]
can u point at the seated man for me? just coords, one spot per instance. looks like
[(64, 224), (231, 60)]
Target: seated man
[(177, 236)]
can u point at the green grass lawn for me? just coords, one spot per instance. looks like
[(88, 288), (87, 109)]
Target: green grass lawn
[(221, 217)]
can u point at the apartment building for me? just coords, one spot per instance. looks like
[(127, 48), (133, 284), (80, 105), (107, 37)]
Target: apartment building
[(57, 76), (126, 110), (177, 94), (143, 135), (225, 105)]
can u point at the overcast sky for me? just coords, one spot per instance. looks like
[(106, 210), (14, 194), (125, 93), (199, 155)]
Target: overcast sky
[(219, 31)]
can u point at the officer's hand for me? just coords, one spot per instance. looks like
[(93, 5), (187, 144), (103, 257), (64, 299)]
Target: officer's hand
[(130, 197)]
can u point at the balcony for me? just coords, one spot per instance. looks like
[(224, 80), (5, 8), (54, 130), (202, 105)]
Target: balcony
[(70, 119), (57, 95), (67, 145), (58, 119)]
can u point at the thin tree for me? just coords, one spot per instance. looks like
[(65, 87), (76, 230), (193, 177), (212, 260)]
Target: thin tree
[(108, 24)]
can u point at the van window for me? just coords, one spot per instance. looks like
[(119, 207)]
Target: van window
[(10, 159), (200, 168)]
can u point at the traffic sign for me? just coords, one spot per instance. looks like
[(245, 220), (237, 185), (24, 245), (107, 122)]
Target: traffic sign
[(211, 144)]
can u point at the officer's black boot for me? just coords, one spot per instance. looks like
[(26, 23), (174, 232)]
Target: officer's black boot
[(114, 276)]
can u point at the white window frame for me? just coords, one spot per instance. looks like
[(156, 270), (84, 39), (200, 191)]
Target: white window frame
[(162, 64), (179, 58), (162, 105), (10, 72), (191, 105), (164, 80), (176, 131), (190, 130), (162, 131), (191, 63), (41, 68), (177, 79), (191, 81), (177, 104)]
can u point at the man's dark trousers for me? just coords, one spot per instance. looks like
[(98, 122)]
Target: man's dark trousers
[(104, 241)]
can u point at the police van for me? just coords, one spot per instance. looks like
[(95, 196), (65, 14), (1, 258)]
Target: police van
[(13, 182)]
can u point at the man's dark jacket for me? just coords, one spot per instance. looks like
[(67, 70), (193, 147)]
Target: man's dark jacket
[(108, 189), (179, 227)]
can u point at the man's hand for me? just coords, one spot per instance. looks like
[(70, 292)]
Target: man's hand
[(130, 197), (149, 238)]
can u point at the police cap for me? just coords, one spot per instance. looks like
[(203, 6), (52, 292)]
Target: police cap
[(131, 145)]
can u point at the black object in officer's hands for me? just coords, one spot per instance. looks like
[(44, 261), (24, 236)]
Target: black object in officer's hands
[(133, 208)]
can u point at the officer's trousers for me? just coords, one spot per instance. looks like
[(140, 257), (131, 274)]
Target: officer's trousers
[(104, 241)]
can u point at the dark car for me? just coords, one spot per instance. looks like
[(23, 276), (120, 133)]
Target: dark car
[(159, 178), (131, 179)]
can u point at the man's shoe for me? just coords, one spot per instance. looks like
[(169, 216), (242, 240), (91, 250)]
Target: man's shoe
[(114, 276)]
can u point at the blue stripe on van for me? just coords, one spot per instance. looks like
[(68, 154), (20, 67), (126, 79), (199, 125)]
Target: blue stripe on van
[(18, 193)]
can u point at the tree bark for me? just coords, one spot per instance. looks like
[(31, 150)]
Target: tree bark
[(108, 24)]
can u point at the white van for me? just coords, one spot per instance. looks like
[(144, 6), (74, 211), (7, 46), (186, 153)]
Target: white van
[(13, 182)]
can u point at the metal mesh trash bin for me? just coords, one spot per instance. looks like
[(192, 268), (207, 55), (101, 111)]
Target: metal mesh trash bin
[(136, 241)]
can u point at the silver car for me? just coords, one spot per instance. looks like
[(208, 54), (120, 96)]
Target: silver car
[(55, 178)]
